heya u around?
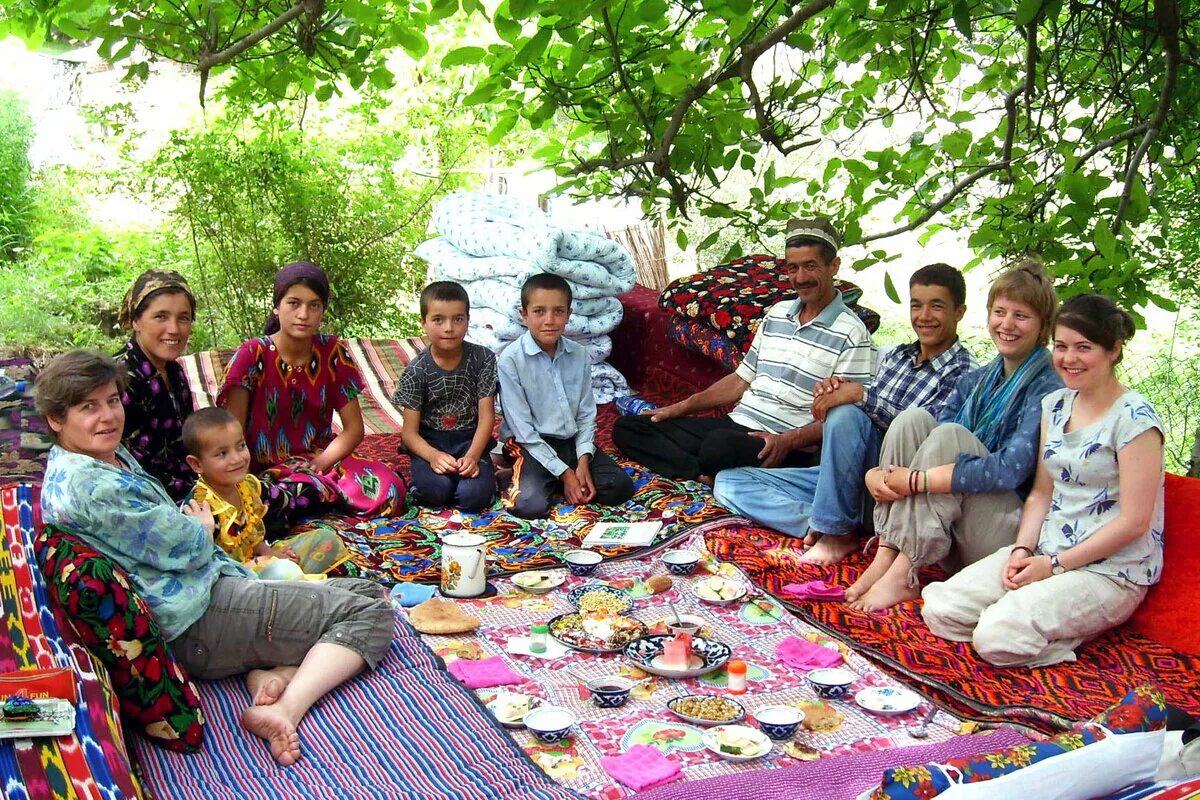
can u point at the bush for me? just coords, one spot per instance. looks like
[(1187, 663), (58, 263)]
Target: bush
[(16, 134)]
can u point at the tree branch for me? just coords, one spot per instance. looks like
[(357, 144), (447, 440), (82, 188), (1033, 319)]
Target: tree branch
[(207, 61)]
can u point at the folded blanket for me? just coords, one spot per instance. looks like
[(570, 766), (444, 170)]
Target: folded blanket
[(506, 299), (438, 251), (450, 263), (508, 329), (641, 767), (607, 383)]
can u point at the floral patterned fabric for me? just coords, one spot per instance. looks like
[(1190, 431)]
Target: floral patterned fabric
[(291, 420), (154, 415), (1144, 709), (118, 628)]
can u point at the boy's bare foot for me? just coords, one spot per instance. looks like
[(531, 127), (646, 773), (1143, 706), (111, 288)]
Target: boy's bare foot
[(888, 591), (267, 685), (884, 558), (829, 549), (272, 725)]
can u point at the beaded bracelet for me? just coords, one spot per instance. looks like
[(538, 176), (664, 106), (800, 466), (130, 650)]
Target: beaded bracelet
[(1017, 547)]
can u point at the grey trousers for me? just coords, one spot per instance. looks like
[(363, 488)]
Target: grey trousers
[(954, 529), (1034, 626), (252, 624)]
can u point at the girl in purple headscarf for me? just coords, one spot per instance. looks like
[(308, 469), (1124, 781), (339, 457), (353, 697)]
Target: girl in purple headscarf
[(285, 386)]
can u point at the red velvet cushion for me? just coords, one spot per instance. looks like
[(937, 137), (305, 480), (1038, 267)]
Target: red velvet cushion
[(1165, 615)]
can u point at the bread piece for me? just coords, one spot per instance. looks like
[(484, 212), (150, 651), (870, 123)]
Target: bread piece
[(659, 584), (441, 616)]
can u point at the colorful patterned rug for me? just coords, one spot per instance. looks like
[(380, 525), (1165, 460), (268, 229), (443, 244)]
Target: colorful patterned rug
[(23, 439), (1045, 698), (751, 630)]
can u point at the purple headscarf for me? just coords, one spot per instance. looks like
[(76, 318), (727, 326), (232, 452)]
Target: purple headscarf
[(298, 271)]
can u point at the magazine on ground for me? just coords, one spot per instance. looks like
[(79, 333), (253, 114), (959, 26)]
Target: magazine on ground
[(612, 534)]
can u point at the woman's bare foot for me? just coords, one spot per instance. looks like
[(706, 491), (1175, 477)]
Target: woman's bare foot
[(267, 685), (829, 549), (884, 558), (888, 591), (812, 538), (272, 725)]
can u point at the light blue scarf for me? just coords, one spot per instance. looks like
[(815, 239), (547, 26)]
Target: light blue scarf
[(990, 402)]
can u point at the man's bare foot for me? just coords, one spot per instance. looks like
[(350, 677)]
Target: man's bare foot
[(888, 591), (272, 725), (884, 558), (267, 685), (830, 549)]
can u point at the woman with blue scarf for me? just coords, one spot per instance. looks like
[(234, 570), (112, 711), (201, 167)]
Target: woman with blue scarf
[(950, 490)]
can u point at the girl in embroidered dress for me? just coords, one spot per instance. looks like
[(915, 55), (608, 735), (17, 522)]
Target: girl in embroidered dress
[(160, 310), (285, 386), (1090, 541), (950, 490)]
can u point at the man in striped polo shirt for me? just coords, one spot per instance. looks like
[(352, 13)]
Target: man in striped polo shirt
[(799, 344)]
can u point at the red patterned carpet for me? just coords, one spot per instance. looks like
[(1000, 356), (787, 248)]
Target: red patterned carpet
[(1042, 698)]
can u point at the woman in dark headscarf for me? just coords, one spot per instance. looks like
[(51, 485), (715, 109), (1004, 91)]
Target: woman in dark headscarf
[(159, 308), (284, 387)]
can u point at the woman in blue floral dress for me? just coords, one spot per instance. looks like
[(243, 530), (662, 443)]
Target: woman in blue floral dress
[(1089, 544)]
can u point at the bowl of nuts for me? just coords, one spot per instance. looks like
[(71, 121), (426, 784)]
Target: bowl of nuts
[(706, 709)]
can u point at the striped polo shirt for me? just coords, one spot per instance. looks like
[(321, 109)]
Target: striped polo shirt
[(787, 360)]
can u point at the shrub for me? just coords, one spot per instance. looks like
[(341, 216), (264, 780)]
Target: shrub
[(16, 134)]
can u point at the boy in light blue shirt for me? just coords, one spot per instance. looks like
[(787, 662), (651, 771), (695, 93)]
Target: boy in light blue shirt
[(550, 412)]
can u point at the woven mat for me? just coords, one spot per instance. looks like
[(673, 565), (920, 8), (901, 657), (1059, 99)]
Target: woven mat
[(752, 632), (1044, 698)]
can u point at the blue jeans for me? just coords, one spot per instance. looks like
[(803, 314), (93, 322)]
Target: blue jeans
[(827, 498)]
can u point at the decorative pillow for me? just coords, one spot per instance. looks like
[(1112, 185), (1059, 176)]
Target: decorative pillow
[(117, 626), (1143, 710)]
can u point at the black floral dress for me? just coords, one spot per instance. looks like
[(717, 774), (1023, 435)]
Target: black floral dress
[(154, 415)]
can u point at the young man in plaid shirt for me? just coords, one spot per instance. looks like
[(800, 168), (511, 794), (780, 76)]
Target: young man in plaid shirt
[(825, 503)]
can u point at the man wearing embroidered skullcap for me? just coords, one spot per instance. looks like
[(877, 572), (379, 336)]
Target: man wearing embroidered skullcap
[(798, 344)]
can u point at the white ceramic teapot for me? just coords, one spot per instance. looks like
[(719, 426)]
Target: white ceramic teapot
[(464, 568)]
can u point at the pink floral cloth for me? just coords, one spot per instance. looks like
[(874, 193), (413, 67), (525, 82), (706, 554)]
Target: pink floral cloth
[(801, 654), (483, 674), (641, 767)]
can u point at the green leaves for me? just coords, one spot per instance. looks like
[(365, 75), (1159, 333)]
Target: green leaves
[(1027, 11), (464, 55)]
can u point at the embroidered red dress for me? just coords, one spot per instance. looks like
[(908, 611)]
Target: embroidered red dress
[(291, 421)]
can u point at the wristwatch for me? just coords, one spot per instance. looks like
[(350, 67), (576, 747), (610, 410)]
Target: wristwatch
[(1056, 568)]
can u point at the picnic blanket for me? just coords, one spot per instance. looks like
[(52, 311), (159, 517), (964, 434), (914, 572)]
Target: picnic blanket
[(93, 761), (405, 730), (1042, 698), (752, 631), (23, 438)]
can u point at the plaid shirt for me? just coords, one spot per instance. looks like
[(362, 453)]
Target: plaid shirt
[(901, 382)]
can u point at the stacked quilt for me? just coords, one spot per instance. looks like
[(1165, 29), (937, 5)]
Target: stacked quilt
[(491, 244), (717, 312)]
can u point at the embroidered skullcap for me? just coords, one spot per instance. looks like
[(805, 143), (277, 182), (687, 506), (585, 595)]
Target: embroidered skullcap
[(812, 231)]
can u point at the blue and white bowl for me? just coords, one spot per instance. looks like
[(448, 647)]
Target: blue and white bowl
[(582, 562), (708, 655), (680, 562), (610, 692), (549, 723), (576, 594), (779, 722), (831, 683)]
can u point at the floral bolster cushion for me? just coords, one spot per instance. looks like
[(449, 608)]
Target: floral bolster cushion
[(117, 626)]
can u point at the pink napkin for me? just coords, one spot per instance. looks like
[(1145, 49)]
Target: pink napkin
[(641, 767), (803, 654), (483, 674), (815, 590)]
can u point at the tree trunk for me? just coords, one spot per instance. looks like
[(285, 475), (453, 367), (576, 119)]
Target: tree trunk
[(1194, 466)]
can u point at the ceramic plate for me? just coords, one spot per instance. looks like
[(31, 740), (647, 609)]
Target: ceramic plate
[(758, 743), (707, 655), (568, 629), (577, 594), (509, 704), (887, 701), (674, 706), (706, 590), (539, 581)]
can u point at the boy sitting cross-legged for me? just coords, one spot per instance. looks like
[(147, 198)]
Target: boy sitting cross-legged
[(447, 398), (550, 412), (242, 507)]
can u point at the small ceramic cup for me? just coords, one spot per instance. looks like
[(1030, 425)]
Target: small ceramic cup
[(582, 562), (831, 683), (549, 723), (611, 691), (680, 562), (687, 624), (779, 722)]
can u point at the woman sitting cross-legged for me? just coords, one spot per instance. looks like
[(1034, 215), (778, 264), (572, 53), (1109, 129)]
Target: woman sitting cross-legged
[(295, 641), (952, 492), (1090, 539)]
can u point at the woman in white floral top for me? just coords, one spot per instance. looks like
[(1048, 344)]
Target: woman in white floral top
[(1090, 540)]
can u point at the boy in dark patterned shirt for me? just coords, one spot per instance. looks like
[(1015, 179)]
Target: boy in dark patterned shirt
[(447, 398)]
